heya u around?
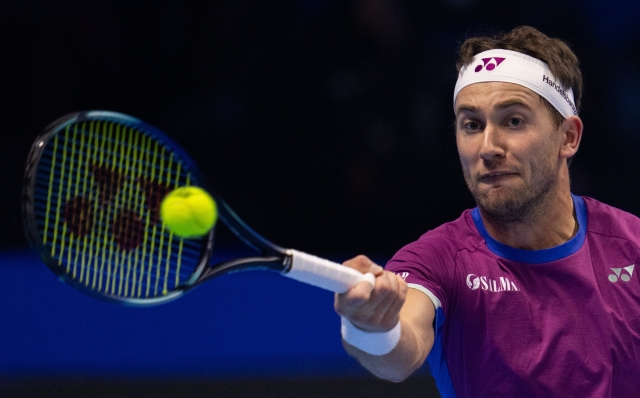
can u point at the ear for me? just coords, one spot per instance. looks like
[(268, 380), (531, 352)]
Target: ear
[(572, 129)]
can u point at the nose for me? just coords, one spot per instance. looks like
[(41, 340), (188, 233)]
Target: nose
[(492, 144)]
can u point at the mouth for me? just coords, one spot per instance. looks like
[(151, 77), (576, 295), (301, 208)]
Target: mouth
[(494, 175)]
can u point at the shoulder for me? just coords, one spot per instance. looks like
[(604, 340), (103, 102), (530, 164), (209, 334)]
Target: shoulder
[(429, 263), (443, 241), (610, 221)]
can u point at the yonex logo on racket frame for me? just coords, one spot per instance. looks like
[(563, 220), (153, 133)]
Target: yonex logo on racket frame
[(618, 274), (489, 64)]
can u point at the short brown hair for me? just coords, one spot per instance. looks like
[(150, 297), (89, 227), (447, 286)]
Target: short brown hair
[(562, 61)]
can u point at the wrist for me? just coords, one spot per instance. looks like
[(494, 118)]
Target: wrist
[(374, 343)]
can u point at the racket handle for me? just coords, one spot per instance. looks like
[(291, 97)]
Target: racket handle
[(323, 273)]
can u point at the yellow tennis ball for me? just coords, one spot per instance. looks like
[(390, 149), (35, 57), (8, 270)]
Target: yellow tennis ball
[(188, 212)]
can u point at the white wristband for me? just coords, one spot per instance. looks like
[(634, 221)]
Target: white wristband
[(374, 343)]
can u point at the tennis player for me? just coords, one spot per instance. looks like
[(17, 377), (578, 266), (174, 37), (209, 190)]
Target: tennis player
[(533, 293)]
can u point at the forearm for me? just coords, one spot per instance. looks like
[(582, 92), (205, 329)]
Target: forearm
[(374, 312), (416, 339), (407, 356)]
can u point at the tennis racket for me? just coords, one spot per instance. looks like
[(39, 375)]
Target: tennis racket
[(93, 186)]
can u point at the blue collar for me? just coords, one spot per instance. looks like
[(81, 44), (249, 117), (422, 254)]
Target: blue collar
[(537, 256)]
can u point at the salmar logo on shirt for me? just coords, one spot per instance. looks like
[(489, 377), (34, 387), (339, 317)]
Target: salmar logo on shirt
[(485, 283)]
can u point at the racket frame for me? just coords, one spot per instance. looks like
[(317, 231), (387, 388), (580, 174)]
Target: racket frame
[(273, 257), (308, 269)]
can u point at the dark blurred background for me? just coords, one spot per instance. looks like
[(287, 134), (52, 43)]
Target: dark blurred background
[(327, 125)]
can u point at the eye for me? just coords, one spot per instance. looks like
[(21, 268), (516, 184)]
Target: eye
[(472, 126), (515, 122)]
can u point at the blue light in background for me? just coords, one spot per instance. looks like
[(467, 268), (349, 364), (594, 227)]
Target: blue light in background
[(252, 324)]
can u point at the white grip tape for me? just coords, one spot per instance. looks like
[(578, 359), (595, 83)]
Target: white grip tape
[(374, 343), (323, 273)]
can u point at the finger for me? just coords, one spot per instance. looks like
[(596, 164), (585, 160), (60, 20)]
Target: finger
[(375, 269), (363, 264), (377, 317), (373, 309), (389, 298), (371, 278), (385, 295), (350, 302), (396, 305), (367, 298)]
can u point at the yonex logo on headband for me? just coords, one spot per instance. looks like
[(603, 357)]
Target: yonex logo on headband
[(488, 65)]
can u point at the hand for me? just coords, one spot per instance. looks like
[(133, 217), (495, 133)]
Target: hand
[(372, 309)]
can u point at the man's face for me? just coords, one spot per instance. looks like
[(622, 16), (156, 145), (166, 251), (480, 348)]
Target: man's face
[(509, 148)]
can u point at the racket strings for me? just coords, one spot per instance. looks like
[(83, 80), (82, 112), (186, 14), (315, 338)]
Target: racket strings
[(103, 172), (97, 198)]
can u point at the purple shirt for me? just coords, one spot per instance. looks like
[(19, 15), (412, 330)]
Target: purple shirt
[(557, 322)]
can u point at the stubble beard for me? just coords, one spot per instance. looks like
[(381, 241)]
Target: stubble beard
[(518, 205)]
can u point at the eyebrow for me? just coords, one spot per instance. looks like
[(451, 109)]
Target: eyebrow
[(467, 108), (512, 102), (499, 106)]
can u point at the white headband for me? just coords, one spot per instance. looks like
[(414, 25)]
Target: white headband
[(514, 67)]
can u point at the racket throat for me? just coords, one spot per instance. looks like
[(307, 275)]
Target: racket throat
[(273, 263)]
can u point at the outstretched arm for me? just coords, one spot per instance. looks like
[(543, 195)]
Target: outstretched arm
[(380, 310)]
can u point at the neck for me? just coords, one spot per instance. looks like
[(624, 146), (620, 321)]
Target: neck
[(554, 224)]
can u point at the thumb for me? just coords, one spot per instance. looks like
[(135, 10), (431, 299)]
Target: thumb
[(364, 264)]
